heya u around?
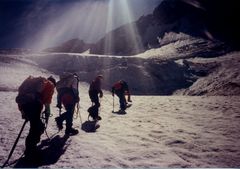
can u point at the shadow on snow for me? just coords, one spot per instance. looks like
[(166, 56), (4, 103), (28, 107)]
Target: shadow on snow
[(90, 126), (49, 153)]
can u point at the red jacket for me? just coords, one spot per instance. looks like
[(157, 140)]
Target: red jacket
[(47, 92)]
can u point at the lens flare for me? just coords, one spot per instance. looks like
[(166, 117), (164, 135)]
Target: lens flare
[(88, 20), (84, 20)]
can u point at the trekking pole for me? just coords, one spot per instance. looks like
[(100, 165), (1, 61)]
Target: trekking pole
[(11, 152), (78, 109), (75, 115), (113, 104), (60, 111), (47, 134), (15, 161), (45, 118), (45, 129)]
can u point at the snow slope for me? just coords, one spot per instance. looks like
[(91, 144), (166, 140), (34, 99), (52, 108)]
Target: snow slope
[(223, 76), (14, 69), (174, 131), (157, 131)]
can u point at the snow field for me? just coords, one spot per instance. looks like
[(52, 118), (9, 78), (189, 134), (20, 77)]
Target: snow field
[(157, 131)]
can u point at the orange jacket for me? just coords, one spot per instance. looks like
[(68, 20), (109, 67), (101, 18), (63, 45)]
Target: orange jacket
[(47, 92)]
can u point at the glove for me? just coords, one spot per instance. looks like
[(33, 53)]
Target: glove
[(129, 100), (113, 94), (101, 95)]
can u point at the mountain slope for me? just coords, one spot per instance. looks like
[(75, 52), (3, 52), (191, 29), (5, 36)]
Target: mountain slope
[(14, 69), (71, 46), (197, 18), (224, 80)]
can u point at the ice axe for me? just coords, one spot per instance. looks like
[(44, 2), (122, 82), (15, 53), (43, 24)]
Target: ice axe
[(11, 152)]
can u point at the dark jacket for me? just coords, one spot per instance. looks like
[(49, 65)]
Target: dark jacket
[(95, 86)]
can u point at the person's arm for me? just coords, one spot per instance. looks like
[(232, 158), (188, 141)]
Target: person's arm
[(129, 97), (59, 102), (47, 94), (98, 88)]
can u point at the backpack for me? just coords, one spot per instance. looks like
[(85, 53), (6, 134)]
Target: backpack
[(30, 90), (117, 86), (66, 81), (67, 84)]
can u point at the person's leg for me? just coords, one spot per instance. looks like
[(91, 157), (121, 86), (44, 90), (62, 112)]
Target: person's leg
[(97, 105), (69, 120), (122, 101), (95, 99), (67, 101), (59, 120), (33, 138), (92, 95), (33, 111)]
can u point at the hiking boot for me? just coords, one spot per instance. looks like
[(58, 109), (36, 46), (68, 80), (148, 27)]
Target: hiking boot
[(122, 111), (99, 118), (123, 108), (71, 131), (59, 123)]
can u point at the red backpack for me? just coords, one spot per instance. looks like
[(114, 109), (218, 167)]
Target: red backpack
[(117, 86)]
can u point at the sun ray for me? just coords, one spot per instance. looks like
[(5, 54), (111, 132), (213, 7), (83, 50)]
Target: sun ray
[(86, 20), (133, 30), (108, 42)]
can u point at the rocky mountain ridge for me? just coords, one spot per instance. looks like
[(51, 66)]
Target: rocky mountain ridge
[(197, 18)]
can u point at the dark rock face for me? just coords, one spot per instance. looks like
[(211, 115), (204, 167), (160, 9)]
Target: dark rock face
[(215, 76), (123, 41), (222, 20), (212, 20), (145, 76)]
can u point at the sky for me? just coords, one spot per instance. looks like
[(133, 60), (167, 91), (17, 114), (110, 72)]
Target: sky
[(39, 24)]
